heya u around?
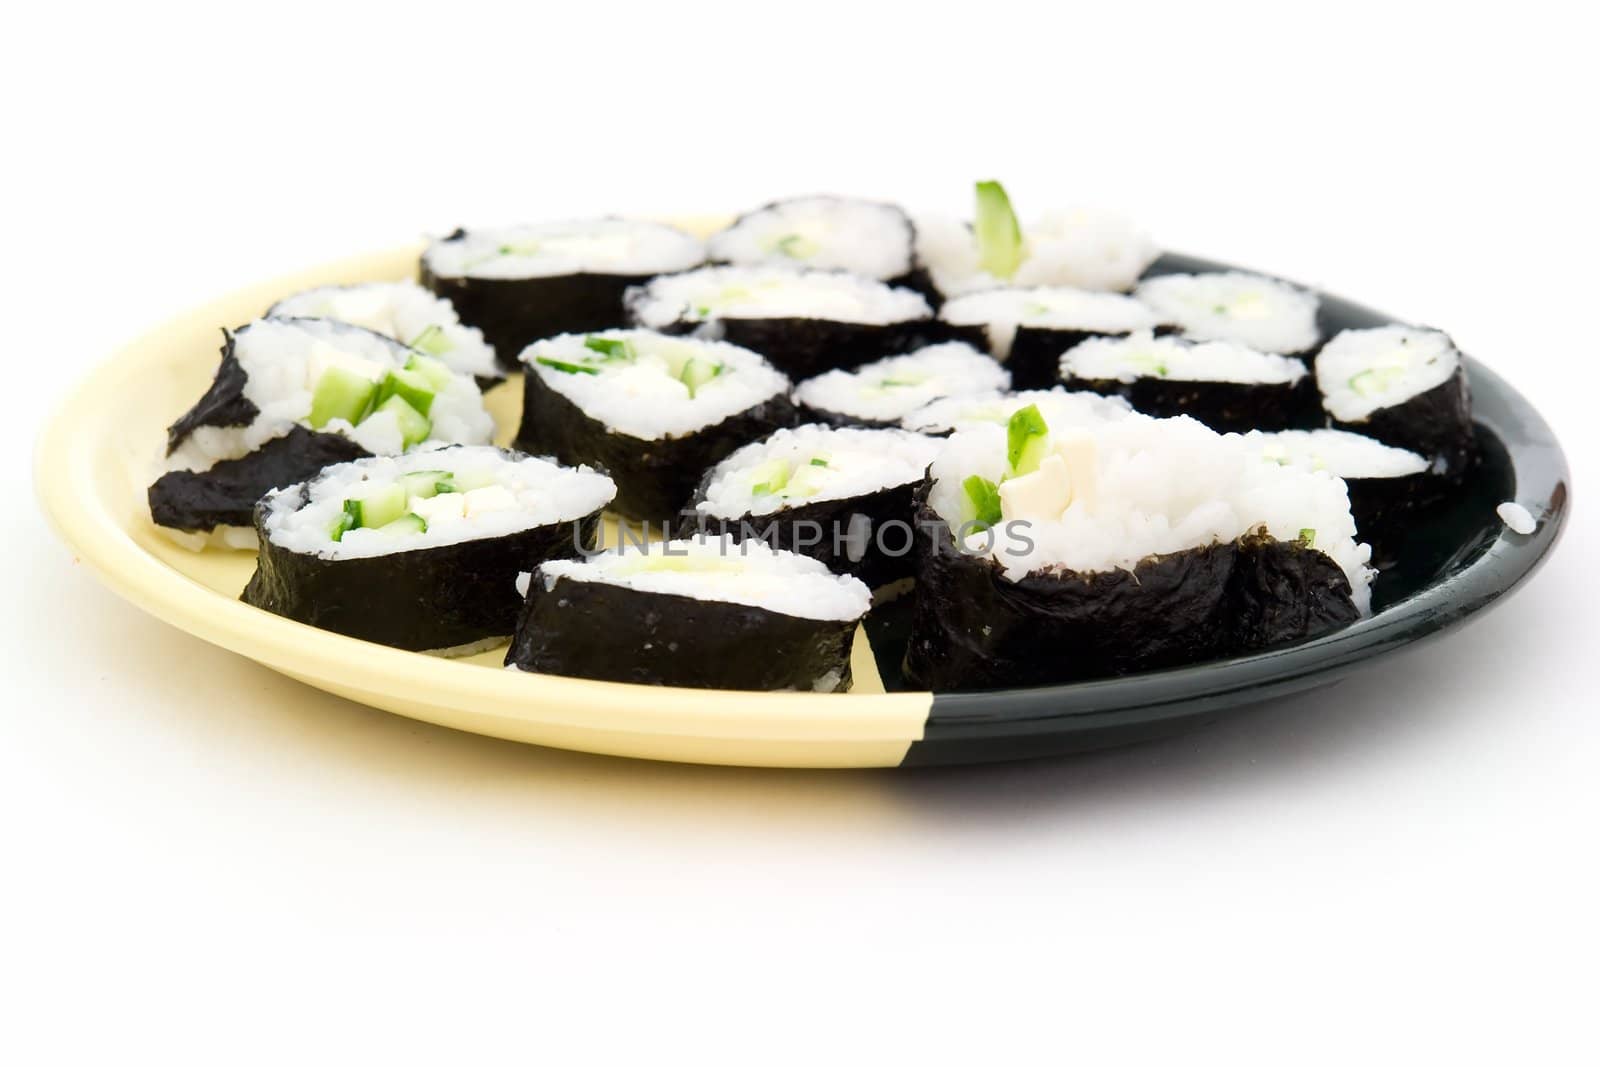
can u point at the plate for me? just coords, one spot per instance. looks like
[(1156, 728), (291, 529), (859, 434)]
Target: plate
[(98, 453)]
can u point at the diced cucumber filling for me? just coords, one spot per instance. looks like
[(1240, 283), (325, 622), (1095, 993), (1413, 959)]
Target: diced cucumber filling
[(697, 372), (437, 374), (466, 481), (564, 367), (341, 394), (795, 246), (983, 501), (409, 523), (614, 349), (819, 461), (427, 484), (998, 234), (769, 477), (431, 342), (1376, 380), (411, 386), (1308, 537), (379, 506), (414, 425), (1026, 436)]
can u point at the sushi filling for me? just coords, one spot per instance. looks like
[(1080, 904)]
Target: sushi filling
[(890, 389), (582, 246), (772, 292), (1105, 498), (722, 569), (336, 378), (813, 464), (1342, 454), (403, 311), (650, 385), (1362, 371), (1264, 313), (1144, 355), (1060, 407), (1001, 311), (383, 505), (830, 233)]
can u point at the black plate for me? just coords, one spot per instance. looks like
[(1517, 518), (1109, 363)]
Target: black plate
[(1459, 559)]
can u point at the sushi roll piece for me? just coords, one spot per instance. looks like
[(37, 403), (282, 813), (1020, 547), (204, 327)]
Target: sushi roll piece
[(1028, 329), (422, 551), (882, 393), (1404, 386), (1061, 408), (292, 396), (1387, 485), (804, 321), (1247, 309), (864, 237), (1054, 556), (703, 612), (653, 411), (405, 311), (842, 496), (1081, 248), (1227, 386), (519, 284)]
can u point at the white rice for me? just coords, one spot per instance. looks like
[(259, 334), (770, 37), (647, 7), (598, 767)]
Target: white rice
[(1001, 311), (1518, 519), (1112, 494), (1249, 309), (404, 311), (890, 389), (574, 246), (1341, 453), (1080, 247), (748, 572), (1143, 355), (853, 463), (643, 397), (282, 361), (864, 237), (772, 292), (1360, 371), (1060, 408), (513, 493)]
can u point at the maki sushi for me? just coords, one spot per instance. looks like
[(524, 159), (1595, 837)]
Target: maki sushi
[(843, 496), (1387, 485), (1028, 329), (521, 283), (1264, 313), (421, 551), (804, 321), (884, 392), (1060, 408), (1226, 386), (1402, 385), (1080, 248), (405, 311), (292, 396), (1058, 555), (651, 410), (864, 237), (703, 612)]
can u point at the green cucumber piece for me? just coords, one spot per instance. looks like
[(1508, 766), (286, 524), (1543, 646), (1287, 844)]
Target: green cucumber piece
[(612, 348), (409, 523), (341, 394), (414, 425), (409, 385), (564, 367), (1026, 436), (431, 341), (983, 498), (1308, 537), (438, 374), (346, 523), (379, 506), (697, 372), (769, 477), (1376, 380), (996, 229), (819, 461), (428, 483), (795, 246)]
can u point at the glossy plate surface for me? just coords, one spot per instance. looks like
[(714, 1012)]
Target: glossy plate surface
[(99, 451)]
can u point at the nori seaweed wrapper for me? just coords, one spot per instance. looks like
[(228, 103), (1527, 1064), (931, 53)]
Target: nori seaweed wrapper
[(886, 512), (224, 402), (1035, 357), (805, 413), (1436, 424), (973, 628), (226, 493), (515, 312), (805, 348), (1383, 506), (1227, 407), (615, 634), (655, 479), (419, 600)]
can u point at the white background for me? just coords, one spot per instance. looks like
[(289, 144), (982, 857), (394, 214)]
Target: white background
[(206, 863)]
